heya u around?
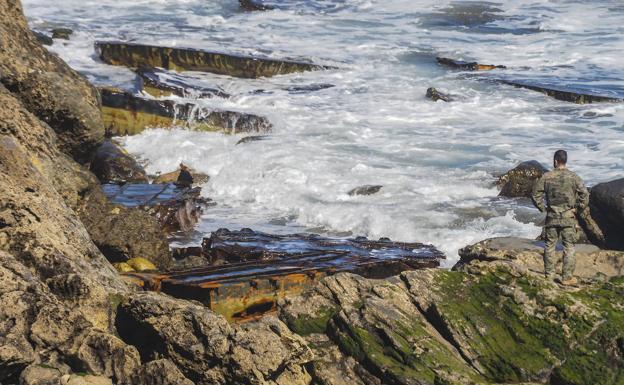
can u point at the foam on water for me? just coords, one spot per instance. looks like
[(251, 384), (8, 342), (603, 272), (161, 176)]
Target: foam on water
[(437, 161)]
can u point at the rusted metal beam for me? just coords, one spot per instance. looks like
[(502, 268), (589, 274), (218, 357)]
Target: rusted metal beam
[(254, 270)]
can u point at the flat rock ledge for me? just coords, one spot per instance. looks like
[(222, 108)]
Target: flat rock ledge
[(591, 261)]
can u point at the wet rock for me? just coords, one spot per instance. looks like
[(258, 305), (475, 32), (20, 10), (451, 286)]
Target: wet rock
[(112, 164), (252, 138), (252, 5), (43, 38), (365, 190), (159, 83), (316, 6), (302, 89), (566, 94), (519, 181), (436, 95), (591, 262), (62, 33), (188, 59), (204, 347), (47, 87), (606, 201), (174, 208), (126, 114), (467, 66), (122, 232)]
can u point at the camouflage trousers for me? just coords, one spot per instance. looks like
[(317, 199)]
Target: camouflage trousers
[(568, 237)]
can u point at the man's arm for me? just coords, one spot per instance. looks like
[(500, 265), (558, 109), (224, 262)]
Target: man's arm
[(582, 195), (538, 194)]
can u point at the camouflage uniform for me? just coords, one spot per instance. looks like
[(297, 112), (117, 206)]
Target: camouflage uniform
[(564, 194)]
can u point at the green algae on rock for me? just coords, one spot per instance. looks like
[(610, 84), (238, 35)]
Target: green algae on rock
[(495, 321), (187, 59), (126, 114)]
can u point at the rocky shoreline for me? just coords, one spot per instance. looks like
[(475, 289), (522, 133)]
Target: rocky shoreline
[(69, 317)]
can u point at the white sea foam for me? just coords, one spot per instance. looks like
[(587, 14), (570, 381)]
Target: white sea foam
[(436, 161)]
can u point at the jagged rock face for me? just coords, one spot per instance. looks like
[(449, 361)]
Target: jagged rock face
[(606, 201), (122, 233), (206, 348), (47, 86), (112, 164), (519, 181), (493, 322), (40, 326)]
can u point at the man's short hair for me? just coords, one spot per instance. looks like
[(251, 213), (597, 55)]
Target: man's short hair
[(561, 157)]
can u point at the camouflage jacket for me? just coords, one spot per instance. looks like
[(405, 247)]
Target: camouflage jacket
[(560, 193)]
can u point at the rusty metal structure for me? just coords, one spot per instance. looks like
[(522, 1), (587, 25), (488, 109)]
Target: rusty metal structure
[(188, 59), (250, 271)]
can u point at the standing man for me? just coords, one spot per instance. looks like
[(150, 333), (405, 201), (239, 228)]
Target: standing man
[(560, 193)]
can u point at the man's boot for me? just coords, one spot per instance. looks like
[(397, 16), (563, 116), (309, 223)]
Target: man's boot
[(572, 281)]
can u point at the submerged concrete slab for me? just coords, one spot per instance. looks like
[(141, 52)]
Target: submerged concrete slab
[(188, 59), (127, 114), (251, 271)]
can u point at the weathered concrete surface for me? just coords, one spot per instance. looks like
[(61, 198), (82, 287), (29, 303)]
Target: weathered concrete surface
[(519, 181), (590, 260), (467, 66), (126, 114), (159, 83), (606, 202), (188, 59), (563, 93), (112, 164), (47, 86)]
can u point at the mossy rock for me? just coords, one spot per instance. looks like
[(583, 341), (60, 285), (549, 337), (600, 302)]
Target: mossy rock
[(140, 264)]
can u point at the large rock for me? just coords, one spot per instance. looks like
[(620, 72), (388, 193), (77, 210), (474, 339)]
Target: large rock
[(493, 322), (591, 261), (112, 164), (519, 181), (208, 350), (123, 233), (47, 86), (606, 202)]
